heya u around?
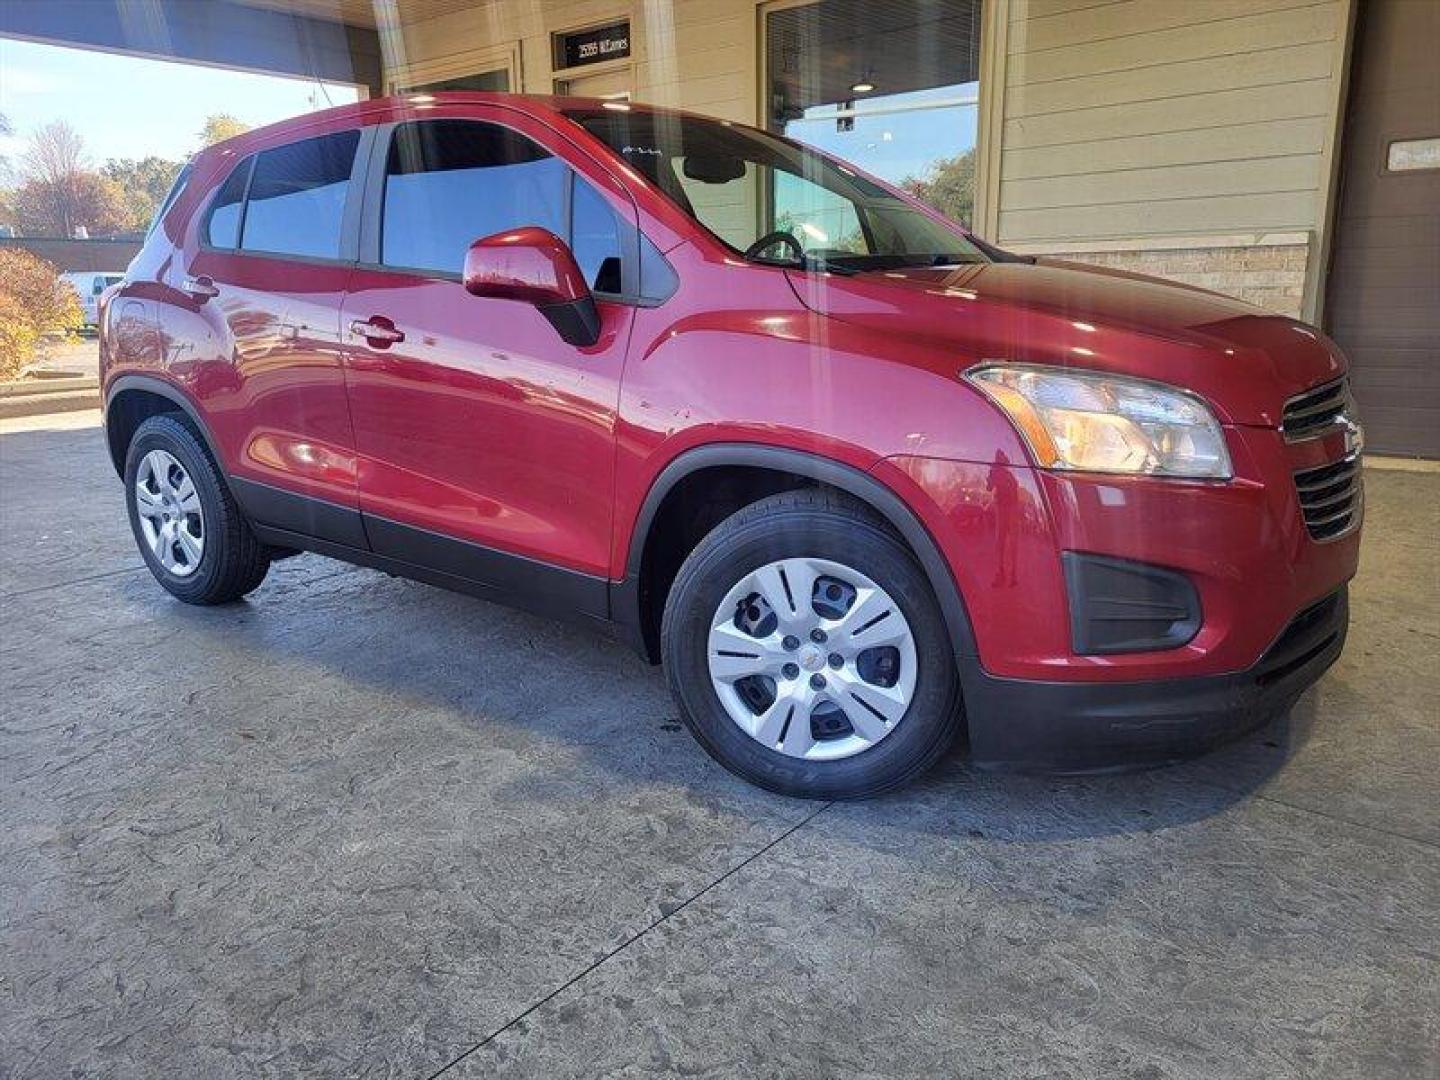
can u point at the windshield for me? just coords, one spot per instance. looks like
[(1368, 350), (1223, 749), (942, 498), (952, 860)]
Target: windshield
[(774, 200)]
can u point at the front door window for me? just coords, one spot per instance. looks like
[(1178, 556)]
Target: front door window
[(451, 182)]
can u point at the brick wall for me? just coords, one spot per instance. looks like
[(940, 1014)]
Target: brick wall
[(101, 256), (1271, 276)]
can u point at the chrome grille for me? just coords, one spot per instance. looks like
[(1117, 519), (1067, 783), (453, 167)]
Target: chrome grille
[(1330, 498), (1314, 412)]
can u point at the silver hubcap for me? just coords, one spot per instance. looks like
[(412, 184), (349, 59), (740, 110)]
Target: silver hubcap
[(812, 659), (170, 514)]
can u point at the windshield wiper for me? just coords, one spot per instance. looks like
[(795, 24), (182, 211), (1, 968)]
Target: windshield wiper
[(813, 262), (809, 262)]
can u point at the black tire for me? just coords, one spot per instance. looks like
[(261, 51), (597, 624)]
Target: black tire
[(233, 561), (817, 524)]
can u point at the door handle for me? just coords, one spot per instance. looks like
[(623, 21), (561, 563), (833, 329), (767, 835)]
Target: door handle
[(202, 287), (377, 329)]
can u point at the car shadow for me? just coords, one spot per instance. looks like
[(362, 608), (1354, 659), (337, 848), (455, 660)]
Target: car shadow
[(502, 672), (1021, 808)]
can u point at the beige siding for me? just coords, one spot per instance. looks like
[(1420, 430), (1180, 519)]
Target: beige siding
[(1139, 119), (1235, 143), (694, 54)]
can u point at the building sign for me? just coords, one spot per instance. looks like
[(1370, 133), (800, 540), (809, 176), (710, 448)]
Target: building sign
[(1413, 154), (593, 46)]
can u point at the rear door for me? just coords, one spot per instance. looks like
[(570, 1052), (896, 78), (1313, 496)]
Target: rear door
[(485, 442), (265, 275)]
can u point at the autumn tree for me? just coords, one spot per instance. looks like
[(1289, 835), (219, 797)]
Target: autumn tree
[(59, 194), (219, 127), (948, 186), (86, 201), (143, 183), (33, 302)]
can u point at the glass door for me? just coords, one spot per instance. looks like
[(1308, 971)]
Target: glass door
[(494, 69), (496, 80), (892, 87), (611, 85)]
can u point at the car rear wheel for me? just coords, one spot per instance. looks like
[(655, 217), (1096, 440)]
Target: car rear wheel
[(187, 525), (807, 651)]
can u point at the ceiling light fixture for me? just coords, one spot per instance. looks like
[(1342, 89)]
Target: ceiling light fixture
[(864, 86)]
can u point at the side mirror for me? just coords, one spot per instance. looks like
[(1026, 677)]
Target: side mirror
[(535, 266)]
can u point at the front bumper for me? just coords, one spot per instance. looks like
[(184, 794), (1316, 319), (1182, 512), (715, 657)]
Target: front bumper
[(1005, 529), (1098, 726)]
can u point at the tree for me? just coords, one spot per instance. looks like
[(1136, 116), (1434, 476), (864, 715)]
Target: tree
[(221, 126), (948, 186), (7, 181), (85, 201), (56, 153), (143, 184), (33, 302), (7, 170), (59, 194)]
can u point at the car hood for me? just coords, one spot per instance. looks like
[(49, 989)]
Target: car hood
[(1244, 360)]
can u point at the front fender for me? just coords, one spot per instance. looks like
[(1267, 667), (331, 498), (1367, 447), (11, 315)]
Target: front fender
[(626, 600)]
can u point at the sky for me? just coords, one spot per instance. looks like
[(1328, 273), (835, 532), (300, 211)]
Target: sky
[(132, 107)]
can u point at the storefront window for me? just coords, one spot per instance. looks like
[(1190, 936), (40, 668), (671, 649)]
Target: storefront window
[(497, 81), (893, 88)]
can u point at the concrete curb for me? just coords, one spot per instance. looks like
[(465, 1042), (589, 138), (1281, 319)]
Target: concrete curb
[(35, 397), (47, 382), (1397, 464)]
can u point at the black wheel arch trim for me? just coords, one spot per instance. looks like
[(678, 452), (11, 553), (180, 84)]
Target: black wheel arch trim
[(625, 595), (161, 388)]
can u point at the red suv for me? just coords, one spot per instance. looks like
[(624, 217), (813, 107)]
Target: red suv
[(857, 478)]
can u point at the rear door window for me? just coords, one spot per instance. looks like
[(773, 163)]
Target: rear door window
[(297, 197)]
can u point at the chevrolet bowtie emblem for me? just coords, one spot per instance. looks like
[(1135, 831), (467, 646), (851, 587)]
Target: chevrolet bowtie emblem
[(1354, 435)]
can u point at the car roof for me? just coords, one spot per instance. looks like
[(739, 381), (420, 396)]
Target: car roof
[(376, 110), (215, 161)]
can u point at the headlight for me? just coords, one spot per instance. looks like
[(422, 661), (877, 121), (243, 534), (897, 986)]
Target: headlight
[(1092, 422)]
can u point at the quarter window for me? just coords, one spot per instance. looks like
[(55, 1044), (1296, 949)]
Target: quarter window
[(181, 179), (297, 197), (595, 238), (222, 228)]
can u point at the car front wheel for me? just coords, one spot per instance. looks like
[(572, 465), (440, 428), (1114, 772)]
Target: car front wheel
[(807, 651)]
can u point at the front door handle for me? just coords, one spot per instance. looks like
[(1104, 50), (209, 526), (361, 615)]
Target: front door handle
[(201, 287), (377, 330)]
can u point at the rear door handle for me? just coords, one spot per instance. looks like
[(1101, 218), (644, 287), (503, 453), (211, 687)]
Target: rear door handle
[(377, 330), (202, 287)]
